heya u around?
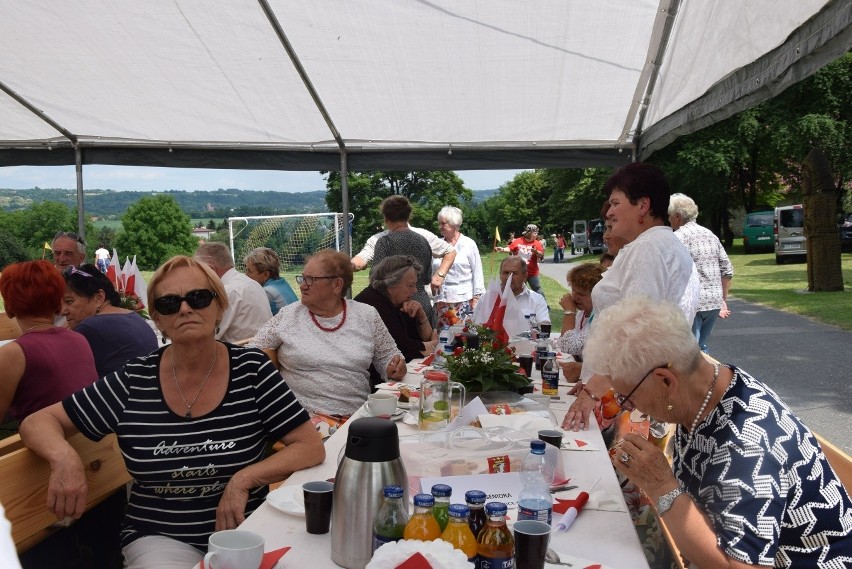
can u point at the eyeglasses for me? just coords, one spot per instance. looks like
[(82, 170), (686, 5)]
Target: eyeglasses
[(72, 270), (309, 280), (196, 299), (624, 401), (70, 235)]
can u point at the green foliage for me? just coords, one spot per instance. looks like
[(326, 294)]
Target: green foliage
[(37, 225), (11, 250), (155, 229), (489, 368), (428, 192)]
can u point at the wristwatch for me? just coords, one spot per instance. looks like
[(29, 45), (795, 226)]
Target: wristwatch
[(440, 275), (665, 502)]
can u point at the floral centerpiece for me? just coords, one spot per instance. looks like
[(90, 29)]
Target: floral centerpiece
[(490, 367), (132, 302)]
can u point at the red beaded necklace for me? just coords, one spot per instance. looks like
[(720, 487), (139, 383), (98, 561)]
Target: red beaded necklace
[(323, 328)]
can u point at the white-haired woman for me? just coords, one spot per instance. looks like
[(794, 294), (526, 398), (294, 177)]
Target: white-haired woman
[(749, 485), (393, 283), (715, 270), (264, 267), (464, 283)]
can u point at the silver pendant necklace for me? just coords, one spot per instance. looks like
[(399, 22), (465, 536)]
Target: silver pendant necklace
[(188, 415)]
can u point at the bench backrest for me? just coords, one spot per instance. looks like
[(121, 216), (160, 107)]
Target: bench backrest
[(25, 477)]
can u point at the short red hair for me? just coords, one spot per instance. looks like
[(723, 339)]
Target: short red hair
[(32, 288)]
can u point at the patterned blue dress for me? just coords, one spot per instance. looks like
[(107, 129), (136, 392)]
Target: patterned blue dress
[(762, 479)]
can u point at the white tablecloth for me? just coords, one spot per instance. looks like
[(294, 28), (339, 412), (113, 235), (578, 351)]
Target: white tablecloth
[(603, 536)]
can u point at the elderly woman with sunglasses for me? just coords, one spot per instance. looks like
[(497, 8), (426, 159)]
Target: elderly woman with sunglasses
[(193, 421), (325, 344), (92, 307), (749, 485), (45, 363)]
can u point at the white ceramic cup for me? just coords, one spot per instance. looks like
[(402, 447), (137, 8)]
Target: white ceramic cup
[(234, 549), (381, 404)]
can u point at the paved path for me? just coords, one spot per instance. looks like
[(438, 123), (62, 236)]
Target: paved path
[(807, 363)]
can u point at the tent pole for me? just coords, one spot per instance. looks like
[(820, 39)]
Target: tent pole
[(344, 201), (81, 216)]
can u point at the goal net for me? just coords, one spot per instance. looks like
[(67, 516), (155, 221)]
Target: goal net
[(293, 237)]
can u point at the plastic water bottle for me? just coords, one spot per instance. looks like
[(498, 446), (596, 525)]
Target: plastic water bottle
[(444, 335), (534, 501), (533, 327)]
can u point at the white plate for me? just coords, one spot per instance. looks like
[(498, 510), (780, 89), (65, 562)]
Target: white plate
[(288, 499), (577, 562), (397, 415), (403, 404)]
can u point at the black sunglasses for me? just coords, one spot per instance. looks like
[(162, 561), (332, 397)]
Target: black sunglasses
[(70, 235), (196, 299)]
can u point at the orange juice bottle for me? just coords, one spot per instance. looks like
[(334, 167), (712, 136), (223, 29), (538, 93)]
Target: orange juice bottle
[(422, 524), (458, 532)]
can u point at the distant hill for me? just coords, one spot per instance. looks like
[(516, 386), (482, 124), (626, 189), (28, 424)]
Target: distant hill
[(219, 203), (111, 204)]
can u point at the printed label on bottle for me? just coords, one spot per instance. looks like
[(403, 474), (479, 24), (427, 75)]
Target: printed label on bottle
[(550, 380), (494, 562), (542, 515), (380, 540)]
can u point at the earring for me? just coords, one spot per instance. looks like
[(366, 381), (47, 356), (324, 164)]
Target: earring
[(669, 407), (217, 328), (164, 338), (98, 309)]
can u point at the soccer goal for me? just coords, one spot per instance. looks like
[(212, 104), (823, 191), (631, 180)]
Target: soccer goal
[(293, 237)]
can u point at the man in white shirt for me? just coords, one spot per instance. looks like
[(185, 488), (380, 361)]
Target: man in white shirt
[(248, 308), (529, 301)]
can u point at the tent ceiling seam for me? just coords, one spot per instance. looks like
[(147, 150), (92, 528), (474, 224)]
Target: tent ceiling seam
[(300, 69), (665, 19), (21, 100)]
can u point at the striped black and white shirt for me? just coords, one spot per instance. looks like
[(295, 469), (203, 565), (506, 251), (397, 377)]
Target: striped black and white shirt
[(181, 466)]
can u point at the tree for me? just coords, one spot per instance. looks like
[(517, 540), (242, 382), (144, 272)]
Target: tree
[(428, 192), (155, 229), (106, 236)]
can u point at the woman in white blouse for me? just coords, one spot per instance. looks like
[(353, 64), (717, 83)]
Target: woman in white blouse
[(464, 283), (653, 263)]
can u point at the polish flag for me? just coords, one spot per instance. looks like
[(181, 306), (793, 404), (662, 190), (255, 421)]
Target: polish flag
[(136, 283), (113, 270), (483, 309)]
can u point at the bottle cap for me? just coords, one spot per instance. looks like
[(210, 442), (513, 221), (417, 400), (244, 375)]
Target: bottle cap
[(393, 492), (424, 500), (441, 491), (458, 510), (474, 497), (537, 446), (496, 509)]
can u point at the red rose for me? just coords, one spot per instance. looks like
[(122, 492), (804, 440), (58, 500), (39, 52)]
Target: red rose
[(458, 351)]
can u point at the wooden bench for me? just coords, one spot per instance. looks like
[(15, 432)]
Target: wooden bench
[(25, 477)]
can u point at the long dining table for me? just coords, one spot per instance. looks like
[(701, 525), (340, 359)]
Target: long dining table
[(605, 537)]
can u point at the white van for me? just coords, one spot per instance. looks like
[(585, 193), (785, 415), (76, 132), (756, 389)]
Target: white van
[(789, 228)]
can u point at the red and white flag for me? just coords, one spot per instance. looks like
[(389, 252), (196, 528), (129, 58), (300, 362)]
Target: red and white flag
[(113, 271), (482, 310)]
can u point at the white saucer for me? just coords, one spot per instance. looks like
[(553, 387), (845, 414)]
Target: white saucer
[(403, 404), (397, 415), (288, 499)]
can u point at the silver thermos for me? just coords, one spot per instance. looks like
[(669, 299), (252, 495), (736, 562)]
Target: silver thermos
[(371, 462)]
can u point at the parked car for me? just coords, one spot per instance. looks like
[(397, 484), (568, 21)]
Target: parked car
[(596, 241), (758, 232), (789, 228), (846, 232)]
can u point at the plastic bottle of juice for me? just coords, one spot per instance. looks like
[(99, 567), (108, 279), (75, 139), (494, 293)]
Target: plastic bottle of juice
[(391, 518), (441, 493), (422, 524), (476, 502), (495, 548), (458, 532)]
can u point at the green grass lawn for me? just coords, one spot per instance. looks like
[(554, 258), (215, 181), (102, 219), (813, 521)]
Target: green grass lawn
[(756, 279)]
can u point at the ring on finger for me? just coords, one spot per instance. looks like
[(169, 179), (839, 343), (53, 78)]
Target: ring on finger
[(625, 458)]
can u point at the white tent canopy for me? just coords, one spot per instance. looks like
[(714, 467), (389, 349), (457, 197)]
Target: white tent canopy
[(395, 84)]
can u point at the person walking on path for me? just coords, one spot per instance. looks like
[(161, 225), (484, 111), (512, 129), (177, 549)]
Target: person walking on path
[(715, 270)]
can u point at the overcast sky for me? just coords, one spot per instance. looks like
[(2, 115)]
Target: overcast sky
[(190, 179)]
